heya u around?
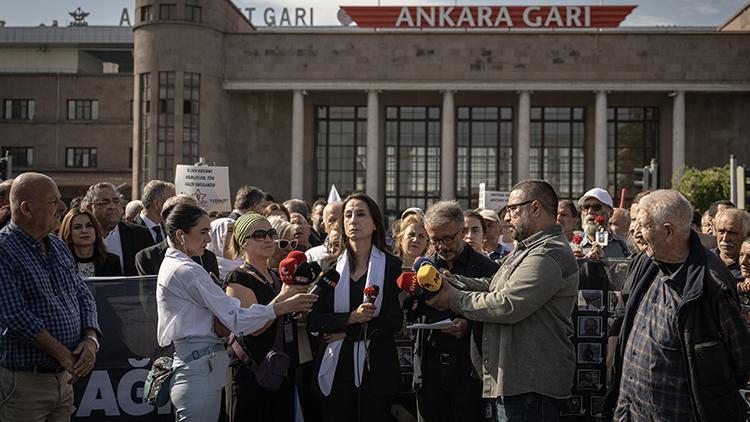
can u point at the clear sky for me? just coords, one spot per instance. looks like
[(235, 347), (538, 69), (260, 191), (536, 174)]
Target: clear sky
[(108, 12)]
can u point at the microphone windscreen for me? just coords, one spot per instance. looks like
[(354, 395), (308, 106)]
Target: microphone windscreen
[(297, 256), (315, 268), (421, 261), (287, 266), (303, 274), (407, 282), (429, 278)]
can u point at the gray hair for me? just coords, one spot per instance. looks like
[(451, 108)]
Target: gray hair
[(735, 213), (88, 199), (133, 208), (155, 190), (668, 206), (283, 227), (299, 206), (444, 212)]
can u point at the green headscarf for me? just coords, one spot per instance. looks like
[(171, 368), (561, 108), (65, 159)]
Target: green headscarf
[(243, 225)]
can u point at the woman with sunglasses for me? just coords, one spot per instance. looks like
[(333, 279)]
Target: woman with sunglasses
[(359, 379), (255, 283), (80, 231), (188, 302), (285, 240)]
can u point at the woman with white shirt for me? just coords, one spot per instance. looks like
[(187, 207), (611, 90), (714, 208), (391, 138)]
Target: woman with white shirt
[(189, 302)]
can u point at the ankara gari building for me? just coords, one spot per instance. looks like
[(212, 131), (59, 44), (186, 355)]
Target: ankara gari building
[(413, 112)]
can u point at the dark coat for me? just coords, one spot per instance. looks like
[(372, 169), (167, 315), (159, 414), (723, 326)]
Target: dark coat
[(133, 239), (716, 355), (110, 267), (148, 261)]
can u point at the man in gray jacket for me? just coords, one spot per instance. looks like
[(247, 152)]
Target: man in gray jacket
[(527, 359)]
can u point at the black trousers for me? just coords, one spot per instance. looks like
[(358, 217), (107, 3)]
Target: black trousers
[(346, 403), (449, 393), (246, 400)]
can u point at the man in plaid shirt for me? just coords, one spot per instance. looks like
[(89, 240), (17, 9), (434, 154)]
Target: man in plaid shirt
[(48, 324), (684, 348)]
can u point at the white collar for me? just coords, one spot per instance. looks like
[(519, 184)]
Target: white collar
[(150, 224)]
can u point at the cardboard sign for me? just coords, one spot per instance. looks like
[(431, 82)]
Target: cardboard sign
[(492, 199), (207, 184)]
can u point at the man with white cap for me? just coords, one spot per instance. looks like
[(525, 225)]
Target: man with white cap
[(493, 247), (596, 204)]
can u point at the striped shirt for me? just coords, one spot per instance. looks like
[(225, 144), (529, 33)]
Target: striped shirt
[(39, 291), (654, 384)]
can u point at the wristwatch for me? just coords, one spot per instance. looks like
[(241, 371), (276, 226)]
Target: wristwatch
[(94, 339)]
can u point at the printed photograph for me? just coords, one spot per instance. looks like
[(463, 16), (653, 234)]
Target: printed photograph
[(405, 357), (590, 300), (588, 379), (573, 406), (590, 326), (589, 353), (614, 299), (597, 406)]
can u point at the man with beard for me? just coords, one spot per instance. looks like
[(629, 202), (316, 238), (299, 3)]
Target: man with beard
[(596, 210), (527, 358), (731, 227), (567, 216)]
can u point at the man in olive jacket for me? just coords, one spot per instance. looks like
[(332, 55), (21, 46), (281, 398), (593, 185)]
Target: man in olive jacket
[(684, 348), (527, 359)]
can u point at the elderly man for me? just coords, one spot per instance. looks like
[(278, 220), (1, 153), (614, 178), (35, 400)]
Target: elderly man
[(596, 204), (528, 361), (155, 193), (684, 349), (448, 391), (121, 238), (619, 223), (132, 210), (248, 198), (731, 227), (713, 210), (331, 217), (50, 331), (567, 217)]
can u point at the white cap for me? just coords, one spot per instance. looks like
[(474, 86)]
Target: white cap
[(412, 210), (600, 194), (489, 214)]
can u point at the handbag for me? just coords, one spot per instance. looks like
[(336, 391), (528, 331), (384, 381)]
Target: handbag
[(159, 377), (272, 370)]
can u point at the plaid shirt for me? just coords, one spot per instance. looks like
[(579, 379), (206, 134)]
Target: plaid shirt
[(39, 292), (654, 384)]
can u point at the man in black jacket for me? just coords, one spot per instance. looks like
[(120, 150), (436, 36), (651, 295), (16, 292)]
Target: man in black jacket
[(684, 348), (448, 390)]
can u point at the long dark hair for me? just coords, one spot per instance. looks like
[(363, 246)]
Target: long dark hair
[(181, 217), (378, 236), (66, 228)]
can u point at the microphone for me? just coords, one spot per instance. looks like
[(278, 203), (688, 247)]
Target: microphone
[(287, 267), (429, 279), (407, 282), (371, 293), (303, 274), (325, 281), (297, 256), (421, 261), (315, 268)]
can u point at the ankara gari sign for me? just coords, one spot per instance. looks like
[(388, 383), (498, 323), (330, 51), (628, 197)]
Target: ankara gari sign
[(488, 17)]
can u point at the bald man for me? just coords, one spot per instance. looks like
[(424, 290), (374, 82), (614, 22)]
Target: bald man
[(51, 333)]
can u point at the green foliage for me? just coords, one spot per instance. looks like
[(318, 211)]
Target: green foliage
[(702, 187)]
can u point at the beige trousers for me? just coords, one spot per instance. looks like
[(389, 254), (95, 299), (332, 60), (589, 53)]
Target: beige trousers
[(35, 397)]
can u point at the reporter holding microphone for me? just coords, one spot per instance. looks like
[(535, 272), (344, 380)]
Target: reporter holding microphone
[(358, 380), (188, 300)]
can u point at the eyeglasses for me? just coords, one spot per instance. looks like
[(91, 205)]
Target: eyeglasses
[(444, 240), (262, 234), (514, 208), (283, 243), (106, 202), (592, 207)]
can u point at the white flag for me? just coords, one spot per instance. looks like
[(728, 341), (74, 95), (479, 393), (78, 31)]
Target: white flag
[(333, 196)]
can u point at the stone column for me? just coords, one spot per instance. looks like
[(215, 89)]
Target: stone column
[(600, 140), (372, 183), (448, 148), (298, 143), (522, 155), (678, 135)]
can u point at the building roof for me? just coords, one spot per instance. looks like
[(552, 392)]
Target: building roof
[(743, 12), (74, 36)]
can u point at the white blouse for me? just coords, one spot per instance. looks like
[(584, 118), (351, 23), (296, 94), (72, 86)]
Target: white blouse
[(188, 299)]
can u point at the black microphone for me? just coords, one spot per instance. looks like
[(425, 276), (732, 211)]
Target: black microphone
[(325, 281), (315, 268), (303, 274)]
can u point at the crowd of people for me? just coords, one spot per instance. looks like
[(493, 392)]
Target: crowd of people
[(252, 343)]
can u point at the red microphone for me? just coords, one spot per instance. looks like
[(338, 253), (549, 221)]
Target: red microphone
[(371, 293), (287, 266), (297, 256), (407, 282)]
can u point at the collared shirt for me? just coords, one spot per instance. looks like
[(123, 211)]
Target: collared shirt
[(734, 267), (153, 228), (616, 246), (653, 384), (317, 253), (114, 245), (39, 291), (187, 299)]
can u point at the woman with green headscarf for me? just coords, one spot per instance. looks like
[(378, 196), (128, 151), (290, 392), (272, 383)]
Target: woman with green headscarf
[(254, 282)]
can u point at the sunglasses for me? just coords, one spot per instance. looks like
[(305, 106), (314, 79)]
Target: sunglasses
[(283, 243), (261, 234)]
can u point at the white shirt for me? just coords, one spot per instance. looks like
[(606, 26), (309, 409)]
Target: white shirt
[(187, 299), (114, 245), (317, 253), (150, 226)]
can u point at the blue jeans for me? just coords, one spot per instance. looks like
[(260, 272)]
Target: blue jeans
[(528, 407)]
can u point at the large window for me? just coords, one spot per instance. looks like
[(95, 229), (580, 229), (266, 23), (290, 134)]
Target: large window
[(192, 13), (632, 141), (80, 157), (18, 109), (165, 132), (340, 149), (21, 156), (484, 142), (167, 12), (412, 158), (83, 109), (146, 14), (143, 129), (191, 117), (557, 148)]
